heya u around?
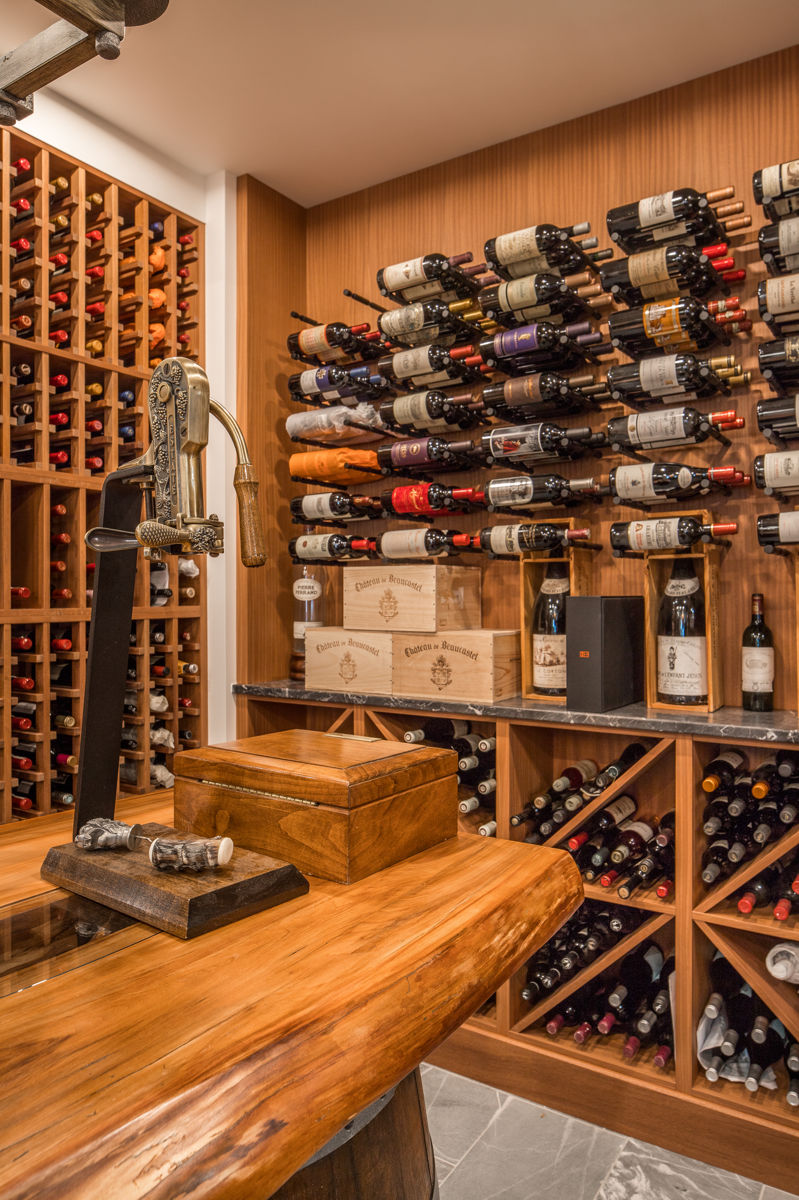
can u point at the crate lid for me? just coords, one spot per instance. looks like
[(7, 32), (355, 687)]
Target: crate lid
[(337, 769)]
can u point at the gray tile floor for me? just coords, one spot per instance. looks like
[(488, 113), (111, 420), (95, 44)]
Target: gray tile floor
[(493, 1146)]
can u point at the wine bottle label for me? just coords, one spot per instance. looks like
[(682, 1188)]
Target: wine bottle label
[(788, 527), (682, 665), (537, 312), (313, 545), (555, 587), (662, 321), (530, 266), (681, 587), (517, 443), (405, 274), (673, 229), (314, 340), (306, 590), (788, 235), (411, 451), (658, 376), (620, 809), (779, 179), (516, 341), (406, 363), (654, 535), (650, 268), (404, 543), (413, 499), (301, 626), (757, 669), (549, 660), (635, 482), (427, 381), (403, 320), (656, 210), (319, 505), (664, 426), (313, 381), (508, 492), (413, 410), (781, 469), (792, 349), (508, 539), (428, 335), (525, 389), (782, 295), (518, 293), (514, 247)]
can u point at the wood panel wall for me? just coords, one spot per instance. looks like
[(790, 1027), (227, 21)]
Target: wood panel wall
[(707, 133)]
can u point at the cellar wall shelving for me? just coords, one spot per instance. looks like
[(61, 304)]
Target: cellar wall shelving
[(95, 301)]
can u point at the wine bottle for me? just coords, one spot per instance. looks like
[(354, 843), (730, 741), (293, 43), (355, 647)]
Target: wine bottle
[(308, 593), (323, 546), (775, 529), (549, 632), (683, 426), (419, 543), (525, 396), (757, 662), (532, 491), (540, 345), (329, 343), (681, 639), (779, 246), (518, 539), (669, 216), (659, 376), (542, 247), (530, 298), (658, 274), (672, 325), (542, 440), (650, 483), (665, 534), (777, 189), (777, 472), (428, 499), (720, 772), (429, 411), (339, 465), (763, 1054), (609, 774), (333, 506), (779, 363), (423, 366), (617, 811), (440, 731), (782, 961), (778, 301), (415, 453), (423, 322), (425, 276)]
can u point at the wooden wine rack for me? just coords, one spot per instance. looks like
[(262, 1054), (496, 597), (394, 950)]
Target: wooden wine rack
[(705, 133), (96, 376)]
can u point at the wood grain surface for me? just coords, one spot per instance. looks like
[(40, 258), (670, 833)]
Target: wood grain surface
[(705, 133), (216, 1068)]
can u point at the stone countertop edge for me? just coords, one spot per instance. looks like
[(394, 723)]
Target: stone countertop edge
[(726, 724)]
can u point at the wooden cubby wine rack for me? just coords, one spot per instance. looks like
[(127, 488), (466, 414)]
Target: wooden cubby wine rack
[(98, 282)]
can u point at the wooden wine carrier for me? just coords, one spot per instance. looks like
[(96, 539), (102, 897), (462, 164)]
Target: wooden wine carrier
[(533, 569), (336, 806), (29, 490), (416, 598), (658, 565)]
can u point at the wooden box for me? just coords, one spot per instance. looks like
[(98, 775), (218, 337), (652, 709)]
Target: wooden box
[(482, 665), (334, 805), (417, 598), (339, 660), (533, 569)]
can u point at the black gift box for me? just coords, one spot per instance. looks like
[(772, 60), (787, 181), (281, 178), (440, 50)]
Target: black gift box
[(604, 652)]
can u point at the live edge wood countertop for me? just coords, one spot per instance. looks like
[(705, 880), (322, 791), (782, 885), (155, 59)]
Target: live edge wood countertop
[(217, 1067)]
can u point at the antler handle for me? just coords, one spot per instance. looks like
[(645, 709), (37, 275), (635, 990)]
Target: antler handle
[(251, 533)]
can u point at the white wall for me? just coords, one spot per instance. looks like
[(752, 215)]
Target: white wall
[(211, 199)]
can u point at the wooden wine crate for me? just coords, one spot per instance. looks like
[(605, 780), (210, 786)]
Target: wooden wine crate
[(657, 570), (334, 805), (417, 598), (532, 572), (482, 665), (338, 660)]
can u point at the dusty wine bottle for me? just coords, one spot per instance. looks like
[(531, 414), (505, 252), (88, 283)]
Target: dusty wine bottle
[(667, 427)]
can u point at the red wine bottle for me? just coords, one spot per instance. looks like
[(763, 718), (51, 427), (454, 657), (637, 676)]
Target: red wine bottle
[(778, 301), (518, 539), (423, 322), (542, 247), (333, 506), (542, 440), (665, 534), (426, 276), (669, 216), (658, 274), (418, 543), (671, 325), (532, 491), (660, 376), (779, 246), (776, 529), (757, 662), (651, 483), (321, 547), (779, 364), (683, 426), (777, 189)]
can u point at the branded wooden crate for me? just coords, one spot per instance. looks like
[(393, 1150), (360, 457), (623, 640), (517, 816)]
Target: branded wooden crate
[(340, 660), (336, 806), (421, 597), (479, 664)]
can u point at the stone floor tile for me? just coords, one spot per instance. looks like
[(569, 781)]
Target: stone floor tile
[(458, 1111), (644, 1172)]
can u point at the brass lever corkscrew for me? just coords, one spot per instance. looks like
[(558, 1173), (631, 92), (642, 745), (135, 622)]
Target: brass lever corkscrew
[(180, 403)]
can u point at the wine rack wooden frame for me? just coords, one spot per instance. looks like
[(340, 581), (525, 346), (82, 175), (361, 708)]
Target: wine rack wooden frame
[(677, 1108), (27, 491)]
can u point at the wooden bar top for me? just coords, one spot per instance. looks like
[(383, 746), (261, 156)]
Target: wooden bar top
[(217, 1067)]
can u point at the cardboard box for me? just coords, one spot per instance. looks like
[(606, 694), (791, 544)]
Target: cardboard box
[(334, 805), (483, 665), (339, 660), (417, 598)]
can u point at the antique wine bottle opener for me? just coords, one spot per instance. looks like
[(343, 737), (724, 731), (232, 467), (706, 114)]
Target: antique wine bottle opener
[(169, 474)]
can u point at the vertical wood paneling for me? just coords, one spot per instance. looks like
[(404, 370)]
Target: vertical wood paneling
[(706, 133)]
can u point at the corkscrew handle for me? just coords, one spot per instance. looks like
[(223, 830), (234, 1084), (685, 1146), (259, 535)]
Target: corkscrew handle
[(251, 533)]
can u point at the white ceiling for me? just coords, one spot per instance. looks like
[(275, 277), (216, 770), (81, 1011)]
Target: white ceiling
[(318, 98)]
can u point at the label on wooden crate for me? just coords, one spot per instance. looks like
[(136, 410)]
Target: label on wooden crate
[(340, 661), (478, 665), (423, 597), (682, 664)]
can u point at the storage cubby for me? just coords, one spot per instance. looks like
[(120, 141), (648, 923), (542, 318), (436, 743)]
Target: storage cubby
[(76, 264)]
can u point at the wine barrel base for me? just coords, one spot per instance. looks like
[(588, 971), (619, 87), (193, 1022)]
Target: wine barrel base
[(388, 1158)]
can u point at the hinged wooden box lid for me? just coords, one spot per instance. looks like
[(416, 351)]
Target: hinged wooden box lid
[(335, 769)]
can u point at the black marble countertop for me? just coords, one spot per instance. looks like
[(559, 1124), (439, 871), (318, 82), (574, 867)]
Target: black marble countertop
[(732, 724)]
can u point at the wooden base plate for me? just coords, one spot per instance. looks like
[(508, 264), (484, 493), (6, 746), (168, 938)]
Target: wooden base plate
[(181, 903)]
